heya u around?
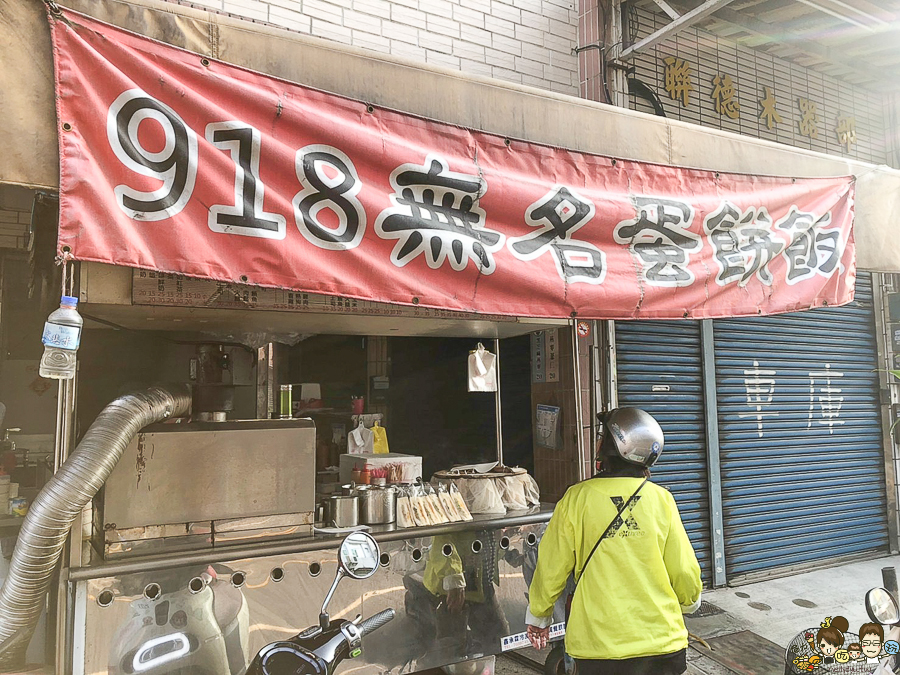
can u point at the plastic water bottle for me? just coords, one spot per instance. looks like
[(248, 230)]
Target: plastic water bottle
[(62, 335)]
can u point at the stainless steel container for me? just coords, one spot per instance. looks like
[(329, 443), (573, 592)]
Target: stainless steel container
[(343, 511), (377, 505)]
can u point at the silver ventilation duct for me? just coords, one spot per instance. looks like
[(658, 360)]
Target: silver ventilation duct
[(57, 505)]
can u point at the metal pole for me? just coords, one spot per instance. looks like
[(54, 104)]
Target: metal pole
[(69, 417), (579, 413), (592, 404), (54, 641), (75, 538), (610, 364), (497, 402), (596, 385), (61, 397), (713, 466), (885, 379), (65, 415), (617, 79), (65, 432)]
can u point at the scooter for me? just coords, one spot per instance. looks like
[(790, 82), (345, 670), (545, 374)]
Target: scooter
[(319, 649), (801, 655)]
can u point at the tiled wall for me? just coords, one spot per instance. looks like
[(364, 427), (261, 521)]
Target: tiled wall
[(556, 470), (524, 41), (15, 215), (590, 29), (13, 225), (751, 71)]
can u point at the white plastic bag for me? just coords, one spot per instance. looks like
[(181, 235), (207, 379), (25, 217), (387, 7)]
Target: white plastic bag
[(512, 492), (482, 370), (482, 496), (361, 441), (532, 491)]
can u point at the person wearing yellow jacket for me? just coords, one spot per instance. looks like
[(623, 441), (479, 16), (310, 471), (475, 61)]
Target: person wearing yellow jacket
[(626, 613)]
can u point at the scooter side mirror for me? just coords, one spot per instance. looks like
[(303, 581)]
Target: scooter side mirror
[(358, 558), (358, 555), (882, 607)]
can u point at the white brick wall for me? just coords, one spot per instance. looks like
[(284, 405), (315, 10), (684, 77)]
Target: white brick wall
[(524, 41)]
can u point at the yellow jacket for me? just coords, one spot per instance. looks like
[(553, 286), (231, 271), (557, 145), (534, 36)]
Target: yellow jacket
[(629, 602)]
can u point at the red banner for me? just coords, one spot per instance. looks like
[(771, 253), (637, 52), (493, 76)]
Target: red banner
[(174, 162)]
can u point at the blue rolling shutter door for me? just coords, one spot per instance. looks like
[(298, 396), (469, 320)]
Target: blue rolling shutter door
[(659, 370), (800, 434)]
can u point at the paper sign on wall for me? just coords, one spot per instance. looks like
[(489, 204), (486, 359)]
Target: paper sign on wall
[(538, 358), (547, 422), (552, 347)]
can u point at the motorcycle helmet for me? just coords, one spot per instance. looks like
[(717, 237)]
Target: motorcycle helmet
[(632, 435)]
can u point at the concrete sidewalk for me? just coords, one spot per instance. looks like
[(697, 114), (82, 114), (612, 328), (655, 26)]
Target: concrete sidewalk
[(779, 609), (775, 610)]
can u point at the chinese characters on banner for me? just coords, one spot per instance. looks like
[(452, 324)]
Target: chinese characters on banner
[(198, 168)]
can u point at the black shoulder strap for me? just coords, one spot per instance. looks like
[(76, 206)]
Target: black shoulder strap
[(609, 529)]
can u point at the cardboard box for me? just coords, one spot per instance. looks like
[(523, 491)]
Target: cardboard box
[(412, 465)]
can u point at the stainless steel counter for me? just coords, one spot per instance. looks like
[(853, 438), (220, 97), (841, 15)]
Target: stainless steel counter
[(231, 601), (303, 543)]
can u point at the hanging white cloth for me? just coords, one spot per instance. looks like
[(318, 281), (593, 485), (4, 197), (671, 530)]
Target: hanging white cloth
[(482, 370), (361, 441)]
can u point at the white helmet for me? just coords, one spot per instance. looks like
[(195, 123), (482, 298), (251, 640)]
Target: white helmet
[(632, 435)]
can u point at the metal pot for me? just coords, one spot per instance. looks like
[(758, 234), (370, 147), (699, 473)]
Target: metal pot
[(343, 511), (377, 505)]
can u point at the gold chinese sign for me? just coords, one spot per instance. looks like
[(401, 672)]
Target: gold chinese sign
[(769, 115), (846, 131), (679, 85), (724, 96), (678, 79), (809, 118)]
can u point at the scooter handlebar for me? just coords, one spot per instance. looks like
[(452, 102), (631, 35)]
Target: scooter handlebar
[(375, 622)]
